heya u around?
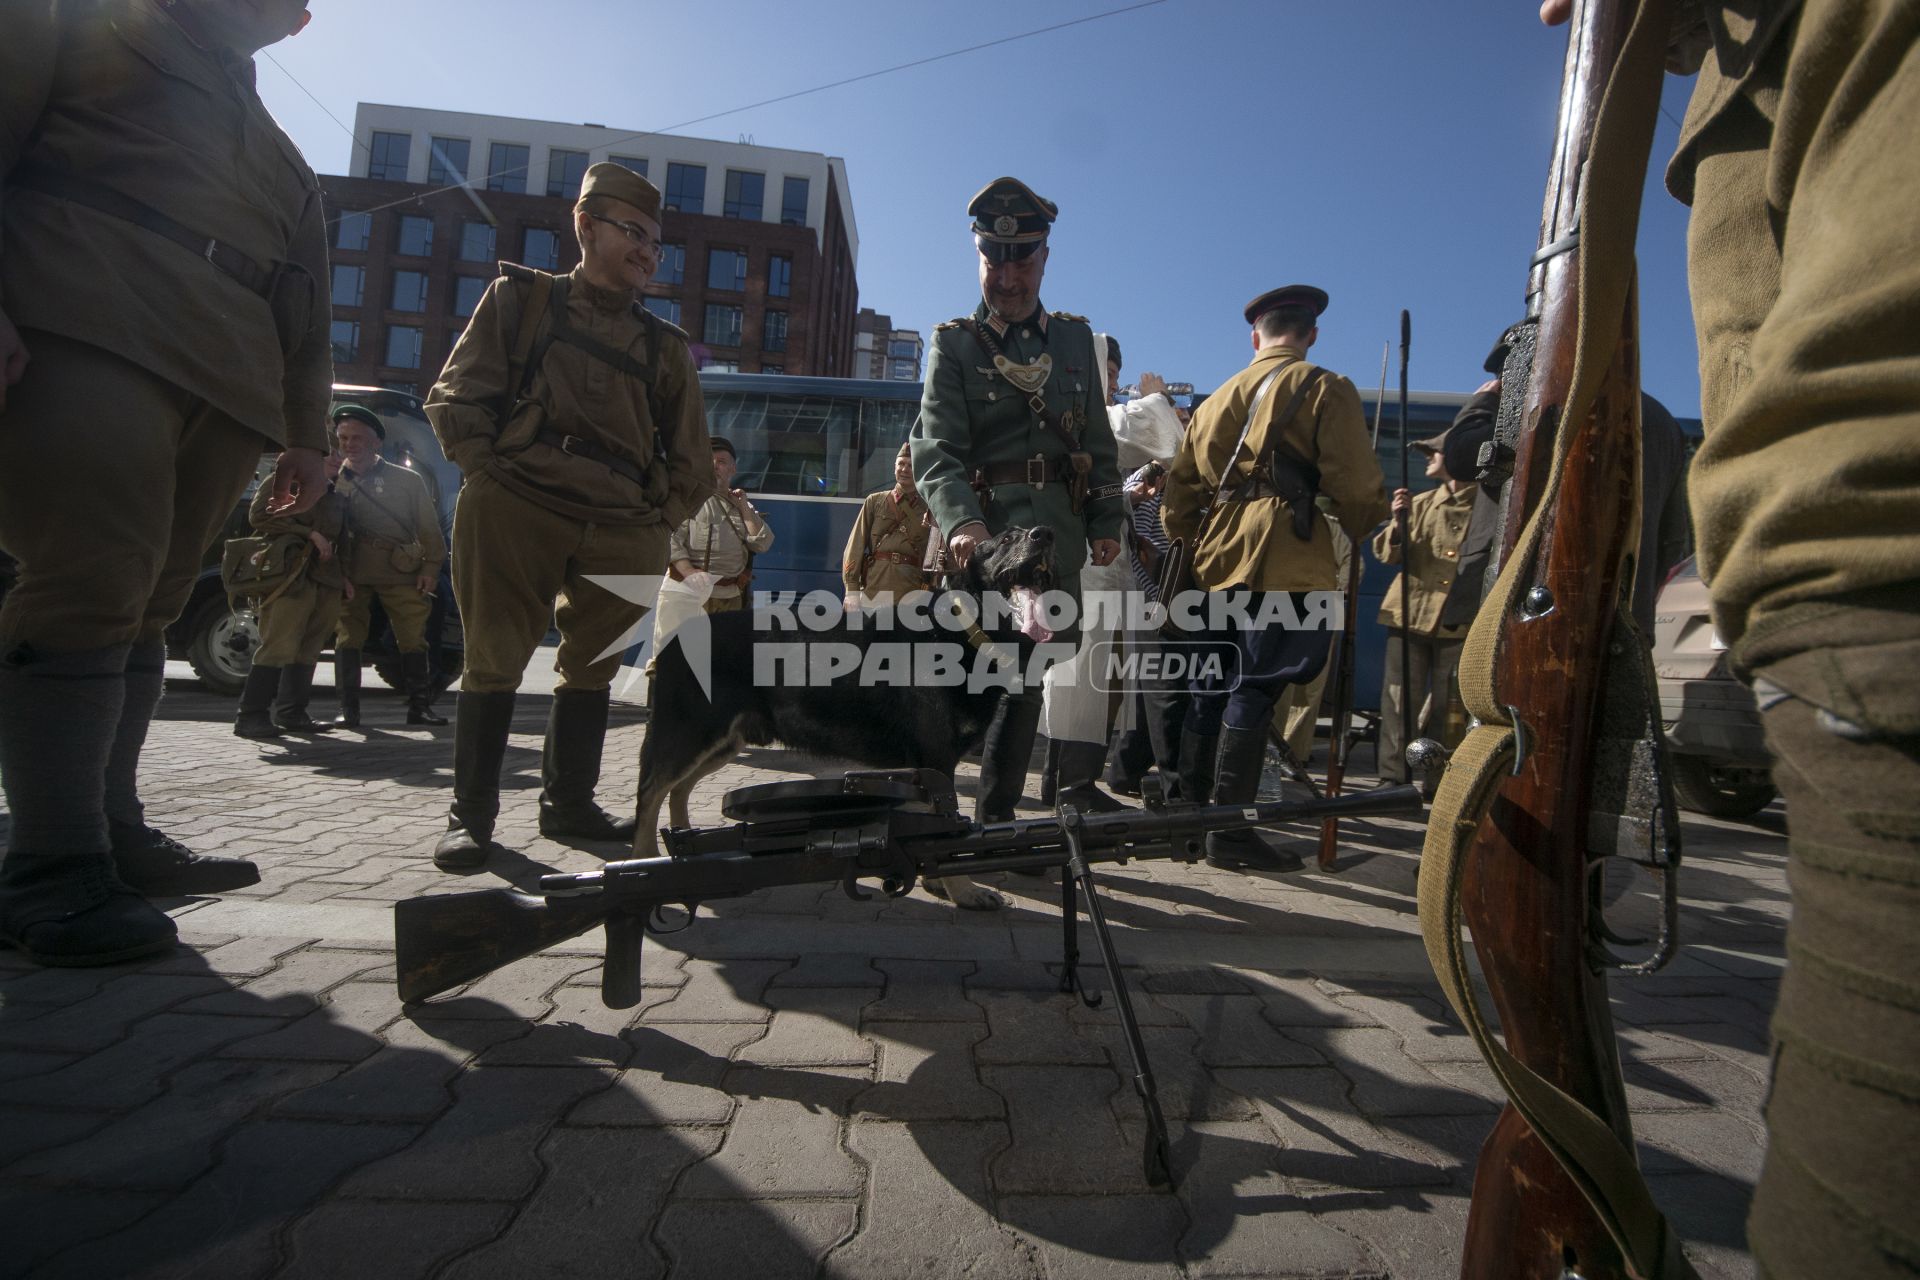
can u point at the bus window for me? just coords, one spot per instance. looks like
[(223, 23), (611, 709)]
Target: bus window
[(788, 444), (884, 424)]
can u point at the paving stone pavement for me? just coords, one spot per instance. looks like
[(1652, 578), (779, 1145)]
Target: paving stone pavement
[(810, 1086)]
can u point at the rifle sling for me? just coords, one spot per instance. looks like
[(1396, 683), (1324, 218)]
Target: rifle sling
[(1604, 1168)]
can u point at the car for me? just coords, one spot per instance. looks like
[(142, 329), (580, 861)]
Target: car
[(1714, 735), (218, 641)]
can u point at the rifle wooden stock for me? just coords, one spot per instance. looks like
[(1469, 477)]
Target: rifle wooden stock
[(1342, 711), (444, 940), (1525, 887)]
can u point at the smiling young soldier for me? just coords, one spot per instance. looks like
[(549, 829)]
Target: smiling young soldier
[(576, 417), (163, 256), (1013, 431)]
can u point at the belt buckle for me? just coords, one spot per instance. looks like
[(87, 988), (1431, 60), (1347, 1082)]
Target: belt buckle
[(208, 252), (566, 445), (1037, 471)]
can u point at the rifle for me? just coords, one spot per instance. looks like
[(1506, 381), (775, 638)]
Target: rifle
[(1343, 672), (893, 826), (1402, 535), (1563, 766)]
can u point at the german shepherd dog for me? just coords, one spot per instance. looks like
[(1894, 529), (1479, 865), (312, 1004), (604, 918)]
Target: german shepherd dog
[(898, 724)]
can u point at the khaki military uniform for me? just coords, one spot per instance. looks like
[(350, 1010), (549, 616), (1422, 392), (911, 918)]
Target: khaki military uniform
[(1800, 156), (720, 541), (393, 540), (1436, 527), (535, 520), (297, 622), (886, 548), (157, 374)]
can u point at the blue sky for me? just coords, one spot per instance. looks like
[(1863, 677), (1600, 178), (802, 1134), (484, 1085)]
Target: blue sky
[(1201, 151)]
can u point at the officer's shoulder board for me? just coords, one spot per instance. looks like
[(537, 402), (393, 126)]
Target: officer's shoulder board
[(944, 325), (1068, 315)]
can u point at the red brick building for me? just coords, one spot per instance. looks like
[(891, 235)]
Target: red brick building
[(410, 259)]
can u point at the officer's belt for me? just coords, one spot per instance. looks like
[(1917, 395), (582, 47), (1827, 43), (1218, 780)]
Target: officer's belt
[(896, 557), (1038, 471), (740, 579), (249, 274), (580, 447)]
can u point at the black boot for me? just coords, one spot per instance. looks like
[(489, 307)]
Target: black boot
[(481, 724), (416, 674), (1004, 757), (346, 686), (1193, 765), (1243, 754), (1050, 774), (1080, 764), (570, 769), (290, 707), (154, 863), (255, 718)]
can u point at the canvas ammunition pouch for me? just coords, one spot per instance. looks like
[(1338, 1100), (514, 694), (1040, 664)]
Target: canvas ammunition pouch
[(287, 288), (523, 423), (259, 569)]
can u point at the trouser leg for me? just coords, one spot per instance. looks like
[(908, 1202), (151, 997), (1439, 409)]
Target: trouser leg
[(1005, 754), (597, 624), (509, 563), (1394, 699)]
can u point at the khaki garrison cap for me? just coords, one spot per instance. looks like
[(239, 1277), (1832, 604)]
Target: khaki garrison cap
[(617, 182), (1291, 295)]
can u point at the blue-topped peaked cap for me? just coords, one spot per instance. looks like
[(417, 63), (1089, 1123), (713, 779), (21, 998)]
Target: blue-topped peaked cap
[(1287, 295), (1007, 211)]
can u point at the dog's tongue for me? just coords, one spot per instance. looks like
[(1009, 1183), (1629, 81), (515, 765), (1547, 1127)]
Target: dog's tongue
[(1028, 605)]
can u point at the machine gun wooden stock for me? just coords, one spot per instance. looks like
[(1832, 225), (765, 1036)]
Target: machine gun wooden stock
[(1536, 796), (893, 827)]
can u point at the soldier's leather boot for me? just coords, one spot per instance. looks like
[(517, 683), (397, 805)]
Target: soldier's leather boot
[(1050, 772), (570, 769), (346, 686), (154, 863), (1079, 764), (255, 716), (1193, 768), (290, 707), (481, 723), (416, 673), (70, 909), (1243, 755), (1004, 757)]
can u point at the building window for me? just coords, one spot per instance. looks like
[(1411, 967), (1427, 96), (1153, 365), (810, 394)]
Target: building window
[(673, 265), (409, 291), (723, 326), (667, 309), (388, 158), (636, 163), (903, 371), (779, 276), (772, 368), (773, 331), (416, 236), (447, 161), (793, 202), (466, 294), (904, 347), (348, 284), (346, 341), (354, 231), (687, 187), (541, 249), (403, 346), (746, 195), (727, 269), (719, 366), (476, 242), (507, 167), (565, 169)]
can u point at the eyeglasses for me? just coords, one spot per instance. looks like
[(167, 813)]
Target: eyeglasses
[(634, 232)]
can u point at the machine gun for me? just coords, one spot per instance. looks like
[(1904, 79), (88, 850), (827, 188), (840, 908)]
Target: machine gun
[(893, 827)]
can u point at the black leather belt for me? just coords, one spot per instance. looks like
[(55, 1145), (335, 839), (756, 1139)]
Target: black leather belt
[(250, 274), (1038, 471), (581, 447)]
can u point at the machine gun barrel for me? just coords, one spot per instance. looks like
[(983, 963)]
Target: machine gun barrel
[(444, 940)]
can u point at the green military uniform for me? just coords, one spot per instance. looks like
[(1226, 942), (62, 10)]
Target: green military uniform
[(1800, 156), (163, 254), (1013, 432), (393, 540), (887, 546), (295, 621), (1436, 526), (579, 468)]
